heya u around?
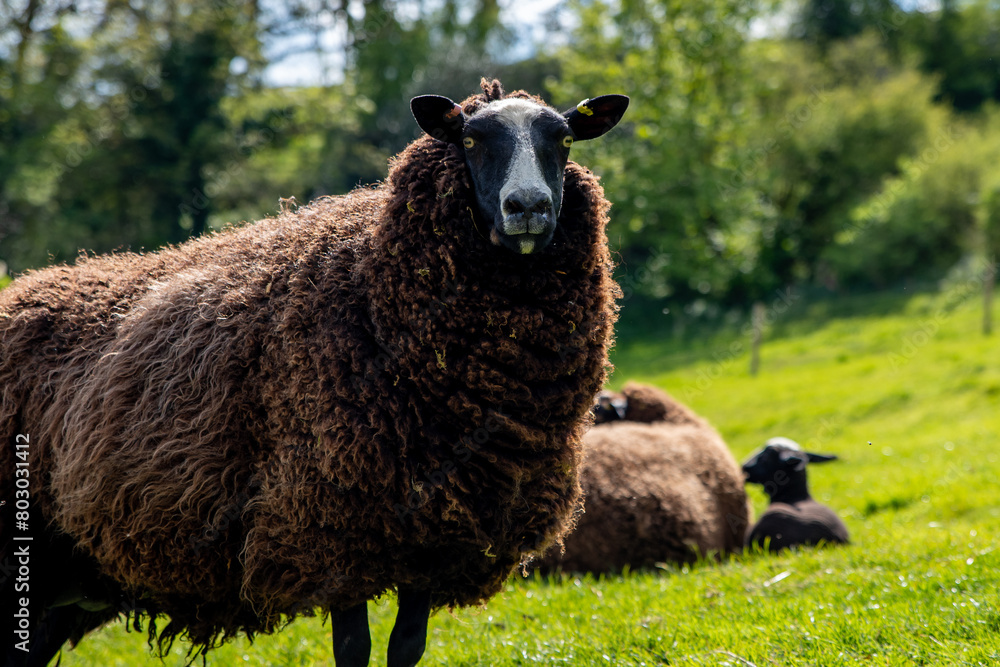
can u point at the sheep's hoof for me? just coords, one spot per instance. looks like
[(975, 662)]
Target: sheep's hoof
[(409, 634), (352, 643)]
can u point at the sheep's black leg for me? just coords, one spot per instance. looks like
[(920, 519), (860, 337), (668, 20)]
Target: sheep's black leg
[(409, 634), (352, 642)]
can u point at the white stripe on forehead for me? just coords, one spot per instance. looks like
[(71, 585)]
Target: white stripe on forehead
[(515, 112), (783, 442), (523, 172)]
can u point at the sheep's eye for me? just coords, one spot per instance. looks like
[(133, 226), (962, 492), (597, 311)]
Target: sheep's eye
[(567, 141), (468, 142)]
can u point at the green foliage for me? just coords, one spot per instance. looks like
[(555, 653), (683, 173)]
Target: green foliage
[(394, 56), (732, 181), (36, 83), (925, 218), (859, 118), (136, 126), (821, 22), (961, 43), (289, 143), (684, 139), (918, 585)]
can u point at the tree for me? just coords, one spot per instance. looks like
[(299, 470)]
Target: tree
[(961, 44), (173, 136), (822, 22), (843, 125), (677, 170), (135, 126), (38, 68), (391, 53)]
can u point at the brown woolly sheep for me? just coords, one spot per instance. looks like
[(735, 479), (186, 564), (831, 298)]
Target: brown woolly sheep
[(375, 392), (663, 490), (792, 517)]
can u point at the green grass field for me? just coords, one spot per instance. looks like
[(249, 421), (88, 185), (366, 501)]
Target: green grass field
[(903, 387)]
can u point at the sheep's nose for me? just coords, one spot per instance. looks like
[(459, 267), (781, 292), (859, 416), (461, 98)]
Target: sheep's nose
[(527, 202)]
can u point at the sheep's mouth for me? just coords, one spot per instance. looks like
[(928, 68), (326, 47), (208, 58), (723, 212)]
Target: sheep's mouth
[(521, 244), (524, 234)]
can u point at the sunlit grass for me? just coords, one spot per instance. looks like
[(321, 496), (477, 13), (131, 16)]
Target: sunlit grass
[(919, 585)]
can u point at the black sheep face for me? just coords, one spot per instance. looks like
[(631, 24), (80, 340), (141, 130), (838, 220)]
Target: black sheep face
[(779, 463), (609, 407), (516, 152)]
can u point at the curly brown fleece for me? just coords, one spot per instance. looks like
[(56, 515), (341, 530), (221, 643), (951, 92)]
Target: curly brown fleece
[(656, 490), (318, 408)]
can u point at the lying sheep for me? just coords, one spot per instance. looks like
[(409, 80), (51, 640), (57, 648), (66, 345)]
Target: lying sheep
[(642, 403), (381, 391), (655, 491), (792, 517)]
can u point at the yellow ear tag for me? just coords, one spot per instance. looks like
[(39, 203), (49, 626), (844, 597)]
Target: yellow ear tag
[(584, 109), (453, 112)]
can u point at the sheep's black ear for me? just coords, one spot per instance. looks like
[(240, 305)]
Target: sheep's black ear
[(793, 459), (821, 458), (439, 117), (592, 118)]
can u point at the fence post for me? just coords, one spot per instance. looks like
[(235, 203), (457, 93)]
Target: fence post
[(757, 314), (989, 278)]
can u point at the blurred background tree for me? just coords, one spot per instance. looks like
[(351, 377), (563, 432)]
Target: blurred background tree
[(132, 123), (685, 210), (961, 43), (821, 23)]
